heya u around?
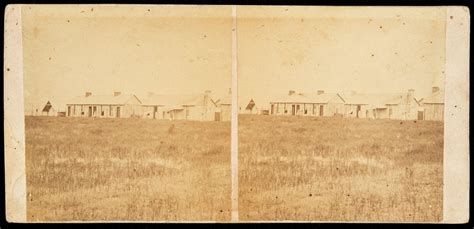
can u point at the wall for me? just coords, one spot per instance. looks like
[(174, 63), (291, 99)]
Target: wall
[(147, 112), (109, 111), (226, 112), (350, 110), (433, 111)]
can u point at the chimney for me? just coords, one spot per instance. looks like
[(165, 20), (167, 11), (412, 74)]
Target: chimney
[(88, 94), (320, 92), (117, 93), (434, 89), (291, 92)]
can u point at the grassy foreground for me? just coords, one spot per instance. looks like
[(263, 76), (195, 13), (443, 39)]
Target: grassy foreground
[(127, 169), (329, 169)]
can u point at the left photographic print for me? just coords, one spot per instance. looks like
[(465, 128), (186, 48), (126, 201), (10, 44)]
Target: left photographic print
[(127, 112)]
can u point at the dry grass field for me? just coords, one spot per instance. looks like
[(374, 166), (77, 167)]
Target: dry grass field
[(127, 169), (339, 169)]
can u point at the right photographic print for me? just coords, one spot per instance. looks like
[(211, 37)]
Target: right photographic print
[(341, 113)]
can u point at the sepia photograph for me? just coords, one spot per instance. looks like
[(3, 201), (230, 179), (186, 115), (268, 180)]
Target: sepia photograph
[(127, 117), (341, 114), (236, 114)]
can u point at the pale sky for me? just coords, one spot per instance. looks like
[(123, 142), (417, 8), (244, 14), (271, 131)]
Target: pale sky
[(177, 50), (69, 50), (337, 49)]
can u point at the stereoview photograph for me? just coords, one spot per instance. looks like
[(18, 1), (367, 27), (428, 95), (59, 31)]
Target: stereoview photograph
[(127, 113), (341, 114), (162, 113)]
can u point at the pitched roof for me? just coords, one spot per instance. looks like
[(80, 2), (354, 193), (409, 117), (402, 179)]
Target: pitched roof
[(377, 100), (227, 100), (437, 97), (47, 107), (294, 98), (250, 105), (176, 100), (103, 99), (306, 98), (322, 98), (261, 103)]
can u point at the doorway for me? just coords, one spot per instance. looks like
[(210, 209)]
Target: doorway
[(420, 115), (118, 112), (358, 111), (321, 110), (90, 112), (293, 110)]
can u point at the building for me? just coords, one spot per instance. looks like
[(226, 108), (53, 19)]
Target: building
[(399, 106), (308, 104), (48, 108), (250, 105), (225, 108), (200, 107), (433, 105), (105, 106)]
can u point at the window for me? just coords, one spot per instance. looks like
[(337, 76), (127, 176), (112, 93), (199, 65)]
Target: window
[(286, 111), (305, 111), (102, 113)]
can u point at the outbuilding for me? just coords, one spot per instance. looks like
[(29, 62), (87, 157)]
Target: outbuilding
[(433, 105)]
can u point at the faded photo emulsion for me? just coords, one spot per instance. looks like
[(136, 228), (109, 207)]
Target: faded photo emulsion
[(187, 113)]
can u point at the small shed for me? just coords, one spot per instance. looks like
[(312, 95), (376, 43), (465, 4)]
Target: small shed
[(200, 107), (225, 107), (433, 105)]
